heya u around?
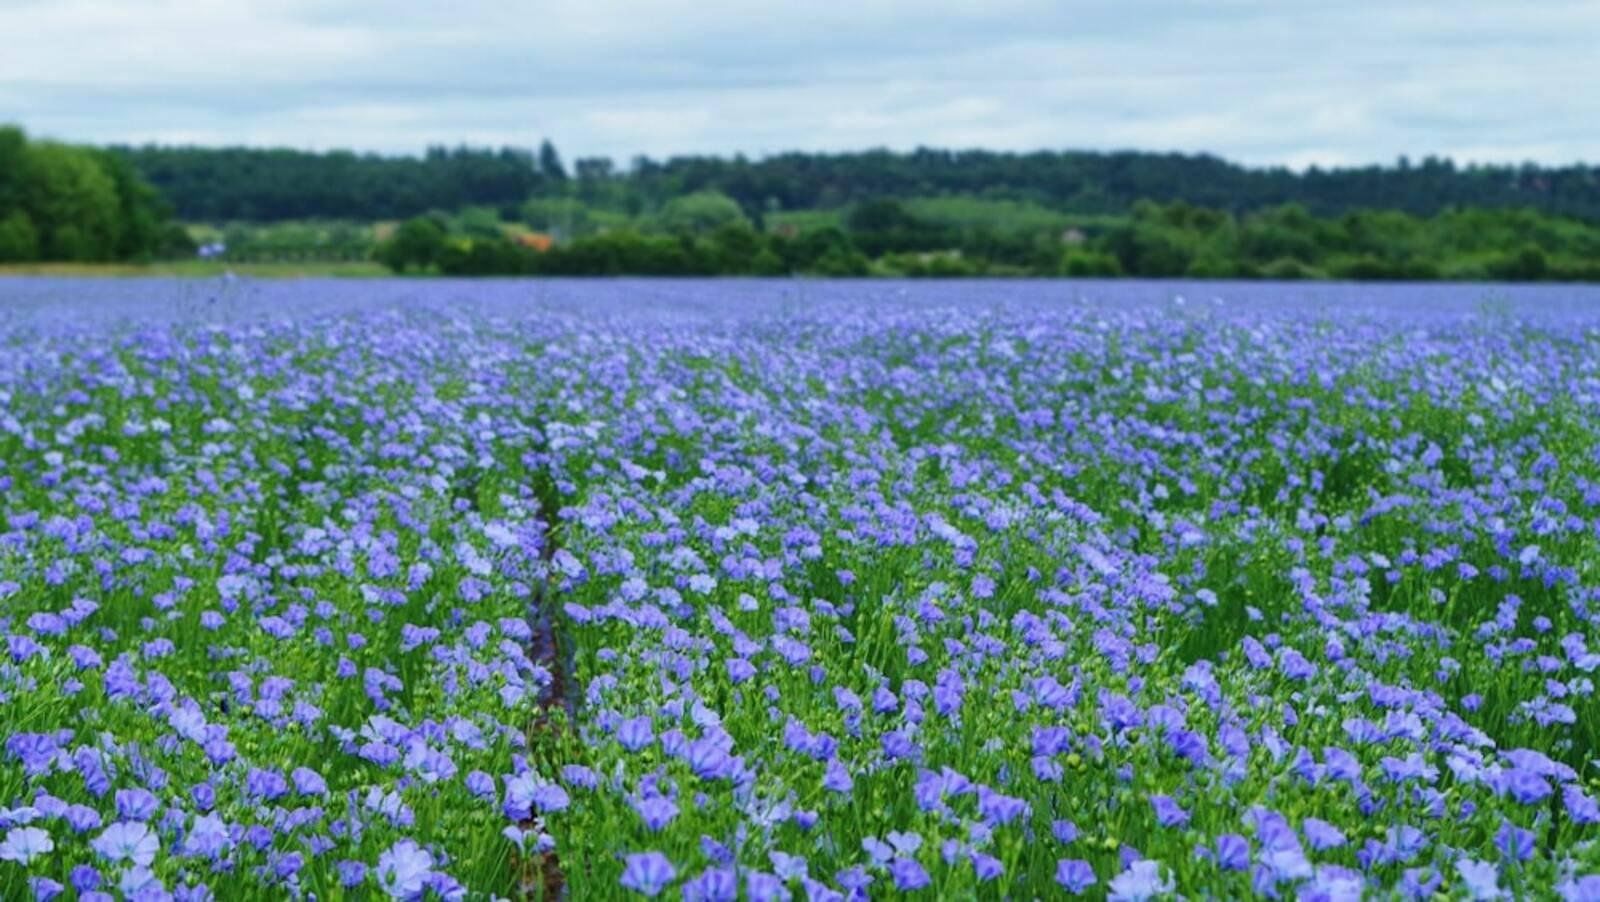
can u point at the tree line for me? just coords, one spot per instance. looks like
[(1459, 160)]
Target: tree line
[(224, 184), (63, 202), (507, 211), (708, 234)]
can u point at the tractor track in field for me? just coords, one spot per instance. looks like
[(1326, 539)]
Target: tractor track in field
[(541, 874)]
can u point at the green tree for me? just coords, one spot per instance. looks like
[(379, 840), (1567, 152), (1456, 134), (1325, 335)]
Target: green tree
[(73, 203), (143, 213), (735, 248), (1146, 249), (19, 241), (418, 242), (480, 222), (885, 225), (550, 162), (13, 162), (701, 213), (883, 214)]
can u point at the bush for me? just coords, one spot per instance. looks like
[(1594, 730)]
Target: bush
[(1576, 271), (840, 262), (1080, 262), (1526, 265), (1289, 269), (176, 243), (1365, 268), (419, 242), (1212, 266)]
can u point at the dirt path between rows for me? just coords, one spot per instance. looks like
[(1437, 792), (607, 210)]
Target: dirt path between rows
[(541, 874)]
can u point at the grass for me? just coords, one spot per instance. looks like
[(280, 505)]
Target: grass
[(199, 269)]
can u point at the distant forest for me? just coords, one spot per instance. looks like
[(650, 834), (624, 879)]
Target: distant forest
[(260, 185), (507, 211)]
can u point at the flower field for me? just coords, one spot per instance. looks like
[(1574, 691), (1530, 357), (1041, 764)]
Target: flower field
[(780, 590)]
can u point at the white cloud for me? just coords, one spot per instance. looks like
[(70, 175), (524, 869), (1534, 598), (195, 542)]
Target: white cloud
[(1266, 81)]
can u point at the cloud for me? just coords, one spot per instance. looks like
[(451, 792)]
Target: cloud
[(1265, 81)]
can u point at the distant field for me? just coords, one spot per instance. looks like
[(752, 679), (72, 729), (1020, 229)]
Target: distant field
[(196, 269)]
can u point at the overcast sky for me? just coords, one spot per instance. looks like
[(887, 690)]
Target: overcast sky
[(1262, 81)]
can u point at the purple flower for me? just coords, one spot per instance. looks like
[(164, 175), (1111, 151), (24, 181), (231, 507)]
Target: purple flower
[(136, 804), (260, 836), (36, 751), (1411, 767), (209, 837), (647, 873), (82, 818), (23, 647), (576, 775), (480, 785), (550, 798), (139, 883), (836, 777), (308, 782), (986, 867), (1525, 786), (24, 844), (817, 891), (998, 809), (1333, 882), (403, 870), (1141, 880), (1074, 875), (268, 785), (635, 733), (1581, 807), (1233, 852), (351, 873), (709, 759), (276, 627), (884, 701), (787, 867), (1480, 878), (855, 880), (1295, 666), (287, 865), (908, 874), (45, 889), (716, 884), (84, 879), (1579, 889), (1168, 814), (656, 811), (1514, 842), (898, 745), (47, 623), (1322, 835), (761, 886), (127, 841)]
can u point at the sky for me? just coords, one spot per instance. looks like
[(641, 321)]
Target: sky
[(1265, 82)]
